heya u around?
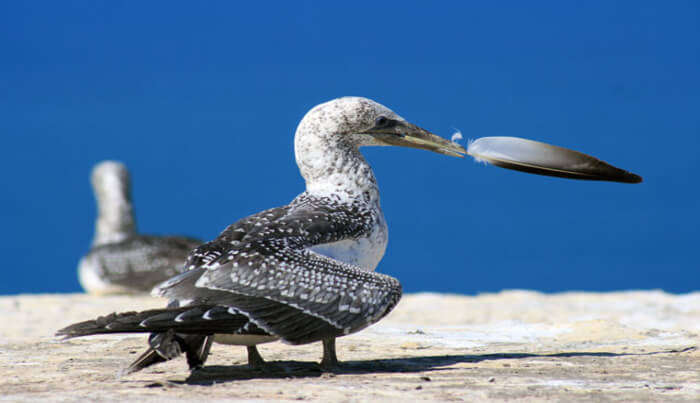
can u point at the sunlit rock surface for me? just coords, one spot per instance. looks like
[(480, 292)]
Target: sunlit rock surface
[(514, 345)]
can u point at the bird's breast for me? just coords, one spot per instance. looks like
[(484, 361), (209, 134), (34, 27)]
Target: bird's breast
[(365, 252)]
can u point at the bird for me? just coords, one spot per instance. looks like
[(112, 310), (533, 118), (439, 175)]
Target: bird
[(121, 261), (299, 273)]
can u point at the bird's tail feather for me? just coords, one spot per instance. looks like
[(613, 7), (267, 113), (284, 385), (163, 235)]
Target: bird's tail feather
[(201, 319), (173, 331)]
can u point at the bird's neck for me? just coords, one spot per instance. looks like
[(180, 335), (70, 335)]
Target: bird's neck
[(115, 219), (336, 169)]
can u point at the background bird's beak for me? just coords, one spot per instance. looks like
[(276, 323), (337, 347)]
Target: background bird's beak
[(404, 134)]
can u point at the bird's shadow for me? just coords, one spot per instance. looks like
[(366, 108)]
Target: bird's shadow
[(215, 374)]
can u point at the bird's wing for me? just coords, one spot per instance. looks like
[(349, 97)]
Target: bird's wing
[(306, 222), (231, 236), (284, 288), (306, 298)]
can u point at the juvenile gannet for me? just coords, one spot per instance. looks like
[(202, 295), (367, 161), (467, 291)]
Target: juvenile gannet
[(299, 273), (120, 260)]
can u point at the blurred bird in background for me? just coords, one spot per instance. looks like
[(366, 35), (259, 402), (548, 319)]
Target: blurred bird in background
[(121, 261)]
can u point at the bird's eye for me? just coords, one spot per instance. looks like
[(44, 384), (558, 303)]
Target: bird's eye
[(381, 121)]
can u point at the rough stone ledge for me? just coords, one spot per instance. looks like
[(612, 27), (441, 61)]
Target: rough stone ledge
[(514, 345)]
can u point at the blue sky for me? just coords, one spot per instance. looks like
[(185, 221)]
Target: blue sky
[(201, 100)]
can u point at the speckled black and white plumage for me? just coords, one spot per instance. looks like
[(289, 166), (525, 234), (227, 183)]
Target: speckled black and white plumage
[(266, 263), (299, 273), (121, 261)]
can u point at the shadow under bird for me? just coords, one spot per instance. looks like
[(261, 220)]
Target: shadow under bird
[(299, 273), (120, 260)]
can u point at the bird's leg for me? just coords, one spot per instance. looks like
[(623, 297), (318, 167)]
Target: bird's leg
[(330, 360), (255, 360)]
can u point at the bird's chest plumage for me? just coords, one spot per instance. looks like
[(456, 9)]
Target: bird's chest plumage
[(365, 251)]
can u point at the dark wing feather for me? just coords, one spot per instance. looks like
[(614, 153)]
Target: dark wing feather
[(189, 320), (307, 221), (306, 298), (311, 221), (231, 236)]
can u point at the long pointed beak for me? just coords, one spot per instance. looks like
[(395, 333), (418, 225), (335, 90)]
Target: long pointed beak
[(405, 134)]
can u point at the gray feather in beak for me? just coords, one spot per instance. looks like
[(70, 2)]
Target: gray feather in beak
[(545, 159)]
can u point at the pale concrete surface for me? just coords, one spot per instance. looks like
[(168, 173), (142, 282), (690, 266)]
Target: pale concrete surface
[(514, 345)]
